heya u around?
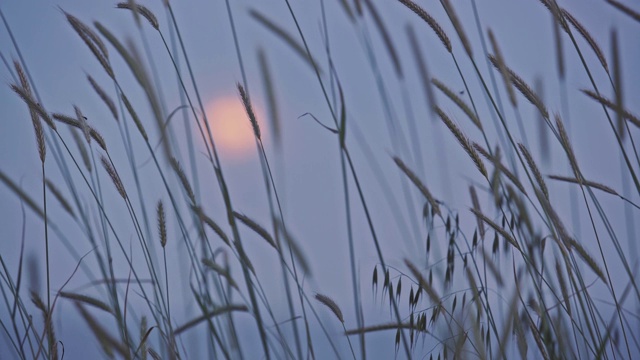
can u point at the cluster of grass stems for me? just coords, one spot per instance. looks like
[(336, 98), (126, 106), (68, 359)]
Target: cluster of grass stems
[(515, 281)]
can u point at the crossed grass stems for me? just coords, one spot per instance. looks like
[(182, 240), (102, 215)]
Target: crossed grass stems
[(551, 304)]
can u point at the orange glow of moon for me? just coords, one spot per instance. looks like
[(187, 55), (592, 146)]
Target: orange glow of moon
[(231, 128)]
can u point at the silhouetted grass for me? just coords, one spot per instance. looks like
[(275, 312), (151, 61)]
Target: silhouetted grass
[(505, 277)]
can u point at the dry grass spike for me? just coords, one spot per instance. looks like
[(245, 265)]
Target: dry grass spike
[(134, 116), (142, 10), (256, 227), (625, 9), (476, 205), (162, 224), (114, 176), (497, 228), (430, 21), (534, 168), (75, 123), (464, 141), (458, 101), (610, 104), (183, 179), (561, 235), (104, 96), (592, 184), (35, 119), (82, 120), (298, 48), (590, 40), (564, 140), (523, 88), (587, 259), (33, 105), (457, 25), (416, 181), (503, 69), (249, 109), (433, 295), (328, 302), (93, 42), (58, 195), (212, 224)]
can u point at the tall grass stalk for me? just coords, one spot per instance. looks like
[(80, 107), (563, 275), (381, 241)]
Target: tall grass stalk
[(506, 268)]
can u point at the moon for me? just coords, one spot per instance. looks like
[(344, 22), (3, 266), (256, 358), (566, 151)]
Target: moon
[(231, 128)]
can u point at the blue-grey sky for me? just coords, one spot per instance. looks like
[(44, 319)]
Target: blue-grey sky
[(307, 170)]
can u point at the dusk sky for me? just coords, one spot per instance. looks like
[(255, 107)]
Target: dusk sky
[(306, 164)]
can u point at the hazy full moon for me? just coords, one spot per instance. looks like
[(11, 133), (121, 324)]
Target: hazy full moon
[(231, 127)]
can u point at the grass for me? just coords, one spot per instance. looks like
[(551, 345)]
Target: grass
[(170, 262)]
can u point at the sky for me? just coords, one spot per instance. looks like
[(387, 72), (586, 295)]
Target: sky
[(306, 164)]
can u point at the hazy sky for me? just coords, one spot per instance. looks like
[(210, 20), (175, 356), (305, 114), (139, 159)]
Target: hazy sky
[(307, 170)]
